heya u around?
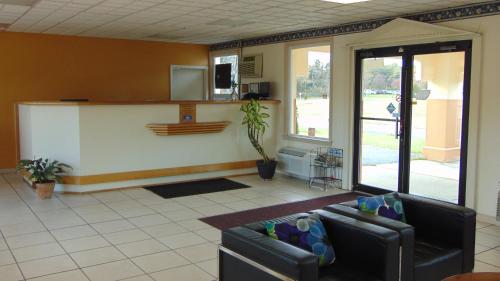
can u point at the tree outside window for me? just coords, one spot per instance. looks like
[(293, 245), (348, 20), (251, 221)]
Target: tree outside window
[(310, 91)]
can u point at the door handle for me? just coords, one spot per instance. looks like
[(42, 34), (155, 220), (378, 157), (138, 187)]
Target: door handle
[(396, 131), (399, 128)]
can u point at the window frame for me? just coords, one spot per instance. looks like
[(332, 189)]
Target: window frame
[(212, 56), (288, 94)]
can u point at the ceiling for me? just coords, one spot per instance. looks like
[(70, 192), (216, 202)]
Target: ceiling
[(196, 21)]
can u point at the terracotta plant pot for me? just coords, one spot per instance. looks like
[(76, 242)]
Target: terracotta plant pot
[(45, 190)]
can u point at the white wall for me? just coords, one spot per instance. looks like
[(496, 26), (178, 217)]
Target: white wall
[(25, 137), (273, 72), (114, 139), (101, 139), (482, 191), (488, 138), (50, 132)]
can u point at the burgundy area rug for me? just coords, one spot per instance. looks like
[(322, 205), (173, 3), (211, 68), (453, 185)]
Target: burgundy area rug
[(240, 218)]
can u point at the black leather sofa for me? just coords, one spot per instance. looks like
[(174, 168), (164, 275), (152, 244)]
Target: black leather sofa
[(437, 239), (364, 252)]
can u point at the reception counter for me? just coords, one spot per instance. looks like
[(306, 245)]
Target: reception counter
[(114, 145)]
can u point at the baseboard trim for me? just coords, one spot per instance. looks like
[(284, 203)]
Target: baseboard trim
[(7, 171), (142, 185), (487, 219), (157, 173)]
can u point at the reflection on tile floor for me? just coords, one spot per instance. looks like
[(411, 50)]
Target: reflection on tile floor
[(134, 234)]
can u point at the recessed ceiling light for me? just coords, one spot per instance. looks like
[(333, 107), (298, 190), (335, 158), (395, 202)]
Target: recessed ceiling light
[(345, 1)]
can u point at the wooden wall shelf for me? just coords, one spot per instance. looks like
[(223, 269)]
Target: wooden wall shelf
[(187, 128)]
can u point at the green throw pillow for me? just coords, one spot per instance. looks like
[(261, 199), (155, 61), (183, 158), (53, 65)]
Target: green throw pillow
[(388, 205)]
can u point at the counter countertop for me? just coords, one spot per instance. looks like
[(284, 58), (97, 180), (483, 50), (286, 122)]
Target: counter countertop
[(84, 103)]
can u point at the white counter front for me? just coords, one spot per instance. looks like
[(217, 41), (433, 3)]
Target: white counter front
[(109, 146)]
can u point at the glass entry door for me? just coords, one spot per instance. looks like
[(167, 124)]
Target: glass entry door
[(380, 106), (411, 120), (436, 125)]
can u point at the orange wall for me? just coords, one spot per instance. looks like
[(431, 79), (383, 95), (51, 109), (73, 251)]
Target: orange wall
[(51, 67)]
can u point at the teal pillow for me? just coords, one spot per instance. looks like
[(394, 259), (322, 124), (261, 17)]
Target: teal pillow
[(307, 233), (387, 205)]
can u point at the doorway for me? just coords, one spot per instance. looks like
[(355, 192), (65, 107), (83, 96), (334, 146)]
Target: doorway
[(411, 120)]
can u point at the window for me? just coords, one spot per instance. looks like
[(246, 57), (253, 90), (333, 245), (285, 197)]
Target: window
[(309, 91), (231, 58)]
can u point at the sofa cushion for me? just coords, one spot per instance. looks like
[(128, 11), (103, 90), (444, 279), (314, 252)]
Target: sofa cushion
[(307, 233), (387, 205), (434, 262)]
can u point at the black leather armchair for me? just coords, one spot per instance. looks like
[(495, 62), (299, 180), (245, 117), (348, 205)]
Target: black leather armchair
[(364, 252), (437, 240)]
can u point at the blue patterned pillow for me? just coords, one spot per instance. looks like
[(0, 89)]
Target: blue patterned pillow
[(307, 233), (388, 205)]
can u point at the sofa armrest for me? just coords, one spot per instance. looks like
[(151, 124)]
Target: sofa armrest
[(366, 217), (278, 256), (369, 248), (406, 232), (448, 224), (260, 226), (352, 204)]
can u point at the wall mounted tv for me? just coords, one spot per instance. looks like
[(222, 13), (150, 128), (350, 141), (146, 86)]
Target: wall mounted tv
[(223, 76)]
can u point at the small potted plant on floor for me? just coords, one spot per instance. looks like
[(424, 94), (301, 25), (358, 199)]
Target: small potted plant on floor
[(255, 121), (43, 174)]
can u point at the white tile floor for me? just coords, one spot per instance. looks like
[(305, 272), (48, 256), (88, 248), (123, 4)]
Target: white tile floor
[(136, 235)]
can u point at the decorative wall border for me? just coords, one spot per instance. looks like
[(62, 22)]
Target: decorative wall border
[(456, 13)]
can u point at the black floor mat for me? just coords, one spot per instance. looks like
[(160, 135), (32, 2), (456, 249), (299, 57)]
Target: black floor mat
[(173, 190)]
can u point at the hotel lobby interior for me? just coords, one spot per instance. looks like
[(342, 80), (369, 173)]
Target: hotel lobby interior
[(249, 140)]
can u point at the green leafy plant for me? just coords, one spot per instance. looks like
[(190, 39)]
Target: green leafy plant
[(42, 170), (255, 120)]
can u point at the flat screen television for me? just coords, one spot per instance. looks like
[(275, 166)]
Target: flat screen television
[(223, 76)]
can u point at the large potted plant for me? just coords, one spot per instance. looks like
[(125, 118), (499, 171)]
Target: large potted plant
[(255, 121), (43, 174)]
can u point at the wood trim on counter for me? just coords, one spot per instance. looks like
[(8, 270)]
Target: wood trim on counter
[(140, 102), (188, 109), (188, 128), (166, 172)]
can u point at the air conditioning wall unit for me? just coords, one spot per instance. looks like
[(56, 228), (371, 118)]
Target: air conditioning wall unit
[(294, 162), (251, 66)]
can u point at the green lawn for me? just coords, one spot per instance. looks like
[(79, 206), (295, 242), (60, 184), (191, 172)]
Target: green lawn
[(389, 142), (374, 106)]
